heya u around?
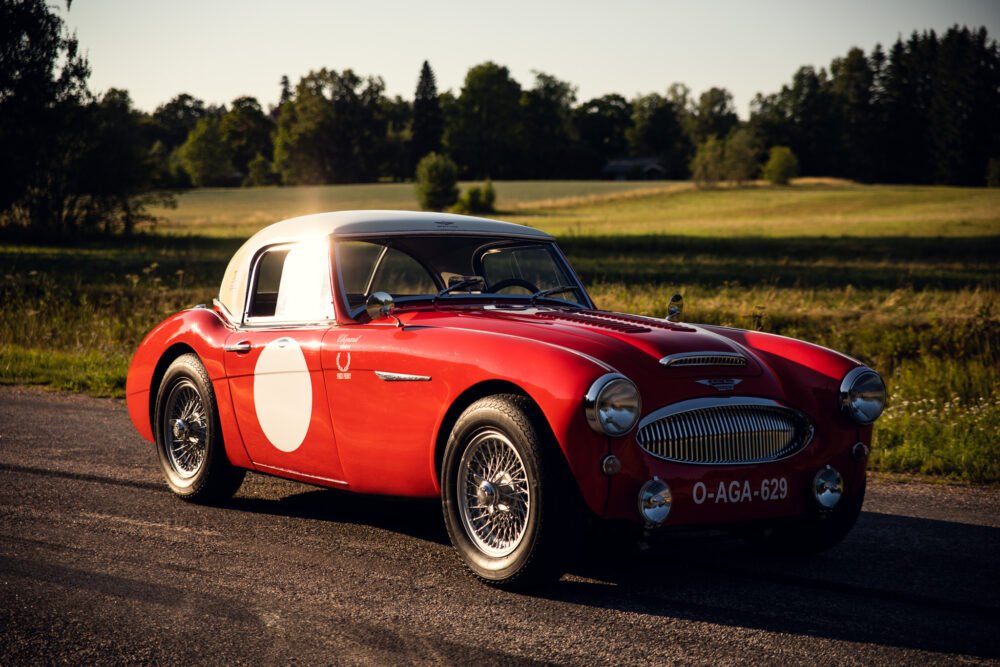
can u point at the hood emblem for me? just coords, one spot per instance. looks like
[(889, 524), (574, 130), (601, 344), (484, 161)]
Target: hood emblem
[(720, 384)]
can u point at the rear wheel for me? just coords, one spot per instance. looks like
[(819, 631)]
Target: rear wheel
[(188, 436), (507, 496)]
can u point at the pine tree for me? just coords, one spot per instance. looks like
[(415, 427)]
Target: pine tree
[(428, 121)]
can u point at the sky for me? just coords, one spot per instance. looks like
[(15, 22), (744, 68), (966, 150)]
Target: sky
[(218, 50)]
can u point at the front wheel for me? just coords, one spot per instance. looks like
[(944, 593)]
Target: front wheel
[(507, 495), (188, 435)]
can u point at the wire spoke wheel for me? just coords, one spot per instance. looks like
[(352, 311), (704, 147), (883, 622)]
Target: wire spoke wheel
[(185, 429), (493, 493)]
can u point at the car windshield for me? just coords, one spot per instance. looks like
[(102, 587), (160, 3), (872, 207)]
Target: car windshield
[(442, 268)]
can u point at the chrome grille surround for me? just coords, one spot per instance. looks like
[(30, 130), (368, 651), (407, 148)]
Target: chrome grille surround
[(733, 430), (704, 359)]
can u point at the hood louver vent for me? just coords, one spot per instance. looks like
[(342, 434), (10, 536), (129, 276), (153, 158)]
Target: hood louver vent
[(728, 359), (600, 322)]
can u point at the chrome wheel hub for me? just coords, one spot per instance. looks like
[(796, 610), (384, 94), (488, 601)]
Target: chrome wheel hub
[(185, 429), (494, 498), (181, 430)]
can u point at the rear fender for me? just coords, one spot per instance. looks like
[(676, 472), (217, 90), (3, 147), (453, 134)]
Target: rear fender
[(200, 331)]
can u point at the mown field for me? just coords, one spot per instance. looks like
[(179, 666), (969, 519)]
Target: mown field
[(903, 278)]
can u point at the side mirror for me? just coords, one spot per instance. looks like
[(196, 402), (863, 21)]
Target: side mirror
[(379, 306), (675, 308)]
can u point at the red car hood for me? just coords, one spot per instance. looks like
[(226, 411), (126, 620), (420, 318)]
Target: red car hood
[(631, 344)]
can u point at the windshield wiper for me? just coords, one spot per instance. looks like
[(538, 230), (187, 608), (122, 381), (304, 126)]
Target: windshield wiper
[(454, 287), (553, 290)]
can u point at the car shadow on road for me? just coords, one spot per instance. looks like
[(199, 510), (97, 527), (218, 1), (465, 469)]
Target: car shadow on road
[(896, 581), (416, 517)]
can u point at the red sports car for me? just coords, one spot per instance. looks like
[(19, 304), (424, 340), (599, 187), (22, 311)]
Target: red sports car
[(426, 354)]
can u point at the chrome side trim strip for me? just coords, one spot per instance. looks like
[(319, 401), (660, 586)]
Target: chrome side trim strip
[(401, 377), (275, 470)]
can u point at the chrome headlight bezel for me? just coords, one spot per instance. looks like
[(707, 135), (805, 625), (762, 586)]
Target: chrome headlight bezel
[(595, 404), (862, 405)]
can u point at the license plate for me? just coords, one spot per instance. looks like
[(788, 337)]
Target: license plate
[(731, 492)]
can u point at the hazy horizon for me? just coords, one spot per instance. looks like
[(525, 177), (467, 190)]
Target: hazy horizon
[(219, 51)]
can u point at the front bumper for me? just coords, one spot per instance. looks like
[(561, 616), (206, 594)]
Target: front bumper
[(726, 494)]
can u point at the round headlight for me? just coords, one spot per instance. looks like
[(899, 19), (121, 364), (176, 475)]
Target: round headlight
[(612, 405), (862, 395)]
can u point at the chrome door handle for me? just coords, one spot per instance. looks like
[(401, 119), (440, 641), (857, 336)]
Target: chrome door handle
[(242, 347)]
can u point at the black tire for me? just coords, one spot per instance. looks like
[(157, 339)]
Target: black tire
[(540, 551), (818, 533), (192, 454)]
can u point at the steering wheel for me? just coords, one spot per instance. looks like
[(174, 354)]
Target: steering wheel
[(513, 282)]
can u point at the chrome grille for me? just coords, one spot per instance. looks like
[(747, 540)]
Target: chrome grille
[(704, 359), (724, 431)]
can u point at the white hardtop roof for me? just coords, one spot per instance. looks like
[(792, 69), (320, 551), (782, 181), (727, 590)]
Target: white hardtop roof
[(232, 293)]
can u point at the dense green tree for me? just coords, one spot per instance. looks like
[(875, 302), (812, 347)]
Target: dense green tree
[(742, 155), (708, 165), (993, 173), (477, 200), (965, 106), (657, 132), (394, 151), (428, 118), (851, 83), (713, 115), (803, 116), (71, 163), (436, 182), (43, 81), (485, 133), (602, 125), (113, 178), (246, 132), (548, 130), (330, 130), (260, 172), (206, 157), (172, 122), (781, 166)]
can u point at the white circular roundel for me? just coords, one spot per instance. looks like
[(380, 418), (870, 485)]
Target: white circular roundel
[(282, 394)]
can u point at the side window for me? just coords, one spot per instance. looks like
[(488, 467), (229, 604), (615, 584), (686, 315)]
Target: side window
[(395, 272), (293, 284)]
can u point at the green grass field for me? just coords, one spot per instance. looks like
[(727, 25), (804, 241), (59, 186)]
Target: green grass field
[(239, 212), (904, 278)]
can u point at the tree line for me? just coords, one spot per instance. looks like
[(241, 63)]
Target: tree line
[(927, 110)]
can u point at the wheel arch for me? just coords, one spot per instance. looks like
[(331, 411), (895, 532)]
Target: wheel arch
[(470, 396), (168, 357)]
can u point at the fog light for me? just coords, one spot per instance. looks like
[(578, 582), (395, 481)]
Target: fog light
[(860, 451), (611, 465), (654, 501), (828, 487)]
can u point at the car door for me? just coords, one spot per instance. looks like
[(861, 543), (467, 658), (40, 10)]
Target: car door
[(274, 364), (386, 395)]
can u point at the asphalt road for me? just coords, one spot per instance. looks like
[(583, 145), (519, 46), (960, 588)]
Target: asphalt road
[(100, 564)]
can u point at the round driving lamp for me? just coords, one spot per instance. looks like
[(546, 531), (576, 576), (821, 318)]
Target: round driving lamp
[(862, 395), (828, 487), (612, 405), (655, 500)]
